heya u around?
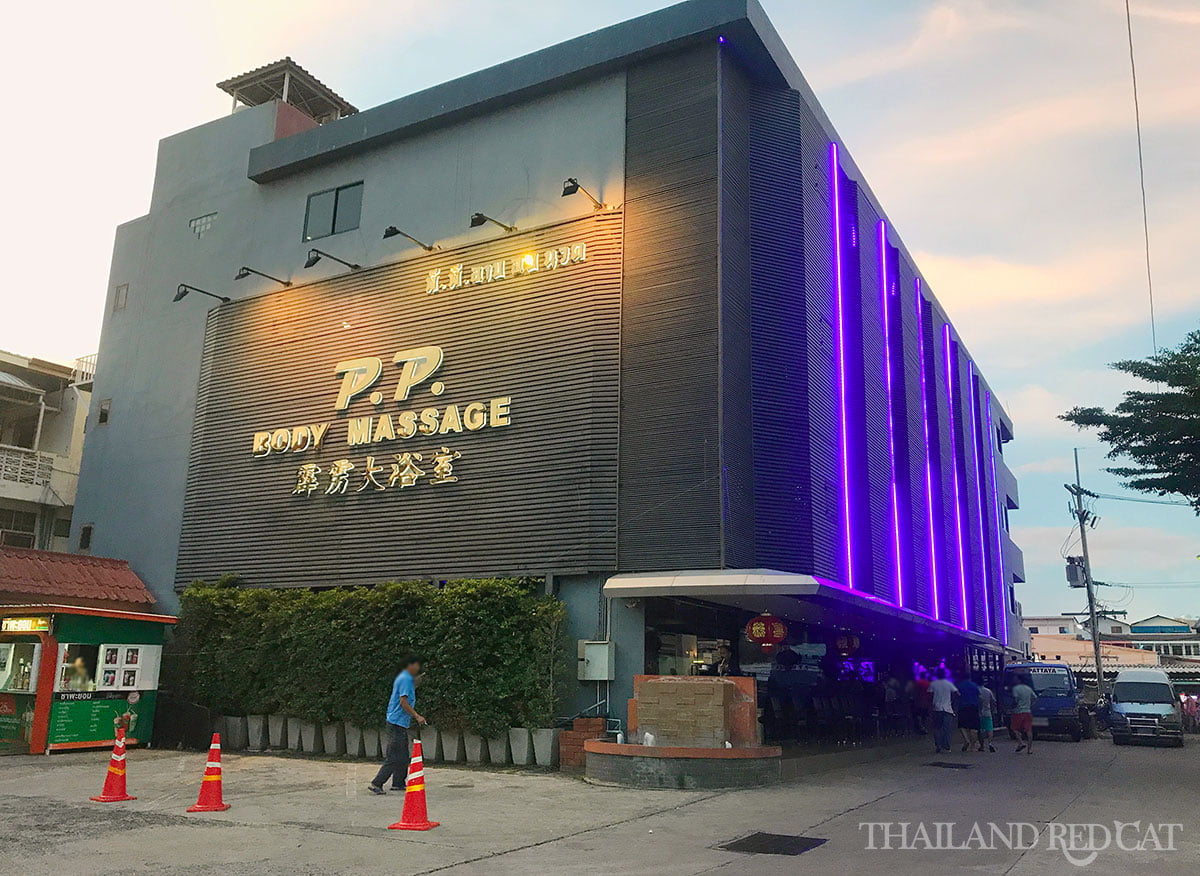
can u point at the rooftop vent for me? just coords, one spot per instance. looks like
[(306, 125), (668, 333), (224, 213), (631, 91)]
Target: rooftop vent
[(289, 82)]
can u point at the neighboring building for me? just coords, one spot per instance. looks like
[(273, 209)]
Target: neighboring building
[(43, 406), (1055, 624), (1167, 636), (724, 390), (1077, 651)]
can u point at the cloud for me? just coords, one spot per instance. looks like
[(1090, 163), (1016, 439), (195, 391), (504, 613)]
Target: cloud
[(948, 29), (1054, 465), (1173, 15), (1118, 553)]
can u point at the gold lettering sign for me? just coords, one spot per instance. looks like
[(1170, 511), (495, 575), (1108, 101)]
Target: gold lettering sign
[(458, 276), (25, 625)]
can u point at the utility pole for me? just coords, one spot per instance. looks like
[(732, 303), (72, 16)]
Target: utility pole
[(1084, 517)]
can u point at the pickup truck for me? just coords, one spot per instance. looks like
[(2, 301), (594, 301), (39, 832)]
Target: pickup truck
[(1059, 707)]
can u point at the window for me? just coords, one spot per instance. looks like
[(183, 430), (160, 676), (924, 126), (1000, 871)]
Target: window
[(62, 527), (333, 211), (1115, 630), (1062, 630), (1033, 630), (201, 224), (85, 537), (102, 413), (17, 528), (120, 297)]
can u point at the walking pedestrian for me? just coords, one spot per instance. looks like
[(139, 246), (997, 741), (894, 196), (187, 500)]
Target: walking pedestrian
[(1022, 712), (987, 709), (942, 691), (401, 713), (921, 703), (968, 712)]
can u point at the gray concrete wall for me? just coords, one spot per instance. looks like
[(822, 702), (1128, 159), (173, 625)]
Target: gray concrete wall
[(509, 164), (587, 618)]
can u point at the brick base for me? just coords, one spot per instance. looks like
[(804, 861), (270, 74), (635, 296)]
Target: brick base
[(570, 742)]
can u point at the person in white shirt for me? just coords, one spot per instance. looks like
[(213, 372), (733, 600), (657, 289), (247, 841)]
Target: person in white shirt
[(943, 691)]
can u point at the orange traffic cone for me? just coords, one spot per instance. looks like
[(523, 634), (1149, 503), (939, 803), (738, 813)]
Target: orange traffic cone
[(114, 779), (414, 816), (210, 786)]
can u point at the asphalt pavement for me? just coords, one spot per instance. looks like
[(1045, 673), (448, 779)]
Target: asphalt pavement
[(1002, 813)]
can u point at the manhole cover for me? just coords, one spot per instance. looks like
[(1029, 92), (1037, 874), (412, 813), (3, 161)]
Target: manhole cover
[(772, 844), (946, 765)]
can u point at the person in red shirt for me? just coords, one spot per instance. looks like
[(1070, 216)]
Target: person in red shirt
[(922, 702)]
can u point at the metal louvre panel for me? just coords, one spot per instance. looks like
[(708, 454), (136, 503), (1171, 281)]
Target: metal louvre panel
[(535, 495), (820, 319), (669, 483), (913, 493), (783, 465), (737, 442)]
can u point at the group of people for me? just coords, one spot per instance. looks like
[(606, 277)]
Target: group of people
[(934, 704)]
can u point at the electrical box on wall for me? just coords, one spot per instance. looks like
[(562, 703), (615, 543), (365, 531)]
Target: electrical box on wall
[(597, 661)]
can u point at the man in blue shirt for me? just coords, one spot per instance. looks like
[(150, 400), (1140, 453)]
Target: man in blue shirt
[(968, 713), (401, 713)]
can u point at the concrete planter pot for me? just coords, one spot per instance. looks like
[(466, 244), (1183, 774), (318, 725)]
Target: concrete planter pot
[(370, 738), (312, 740), (334, 737), (475, 747), (354, 740), (293, 734), (545, 747), (277, 731), (256, 727), (453, 749), (431, 744), (498, 751), (520, 742), (234, 736)]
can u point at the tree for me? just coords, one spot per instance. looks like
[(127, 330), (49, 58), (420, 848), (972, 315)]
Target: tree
[(1157, 429)]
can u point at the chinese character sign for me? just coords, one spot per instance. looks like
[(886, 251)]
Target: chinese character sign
[(403, 470)]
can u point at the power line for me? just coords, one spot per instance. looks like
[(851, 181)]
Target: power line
[(1137, 118), (1143, 501)]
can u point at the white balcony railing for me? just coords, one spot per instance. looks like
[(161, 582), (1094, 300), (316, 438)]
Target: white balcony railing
[(22, 466), (85, 369)]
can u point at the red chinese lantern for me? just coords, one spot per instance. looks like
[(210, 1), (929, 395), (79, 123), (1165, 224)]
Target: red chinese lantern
[(766, 631), (847, 645)]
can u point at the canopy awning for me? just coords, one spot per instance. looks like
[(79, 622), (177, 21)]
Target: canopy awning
[(787, 594)]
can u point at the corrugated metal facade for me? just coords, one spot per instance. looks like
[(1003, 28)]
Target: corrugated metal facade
[(670, 478), (535, 495)]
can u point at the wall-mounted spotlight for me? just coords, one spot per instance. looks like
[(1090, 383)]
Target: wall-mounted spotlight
[(393, 231), (571, 186), (183, 290), (244, 272), (478, 219), (315, 255)]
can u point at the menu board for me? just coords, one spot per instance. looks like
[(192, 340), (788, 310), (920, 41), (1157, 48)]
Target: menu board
[(92, 716), (128, 667)]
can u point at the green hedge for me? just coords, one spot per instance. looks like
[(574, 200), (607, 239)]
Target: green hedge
[(494, 651)]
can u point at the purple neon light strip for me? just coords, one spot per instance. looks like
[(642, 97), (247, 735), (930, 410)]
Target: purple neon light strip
[(884, 291), (1003, 620), (958, 533), (974, 398), (933, 569), (835, 181)]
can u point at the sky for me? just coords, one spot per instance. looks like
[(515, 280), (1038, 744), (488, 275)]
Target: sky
[(999, 137)]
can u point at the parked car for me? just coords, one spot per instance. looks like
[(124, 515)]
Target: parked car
[(1144, 705), (1060, 705)]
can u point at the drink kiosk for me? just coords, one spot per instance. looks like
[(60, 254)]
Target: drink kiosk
[(70, 675)]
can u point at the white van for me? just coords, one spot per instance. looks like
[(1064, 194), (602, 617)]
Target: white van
[(1145, 706)]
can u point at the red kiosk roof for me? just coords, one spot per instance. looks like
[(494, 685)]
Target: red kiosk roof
[(45, 576)]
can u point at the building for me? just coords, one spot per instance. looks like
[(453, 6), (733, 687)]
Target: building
[(1171, 638), (700, 379), (43, 406), (1055, 624), (1077, 651)]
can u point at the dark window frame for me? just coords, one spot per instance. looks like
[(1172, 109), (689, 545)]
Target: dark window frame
[(333, 219), (104, 412), (85, 536), (120, 297)]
